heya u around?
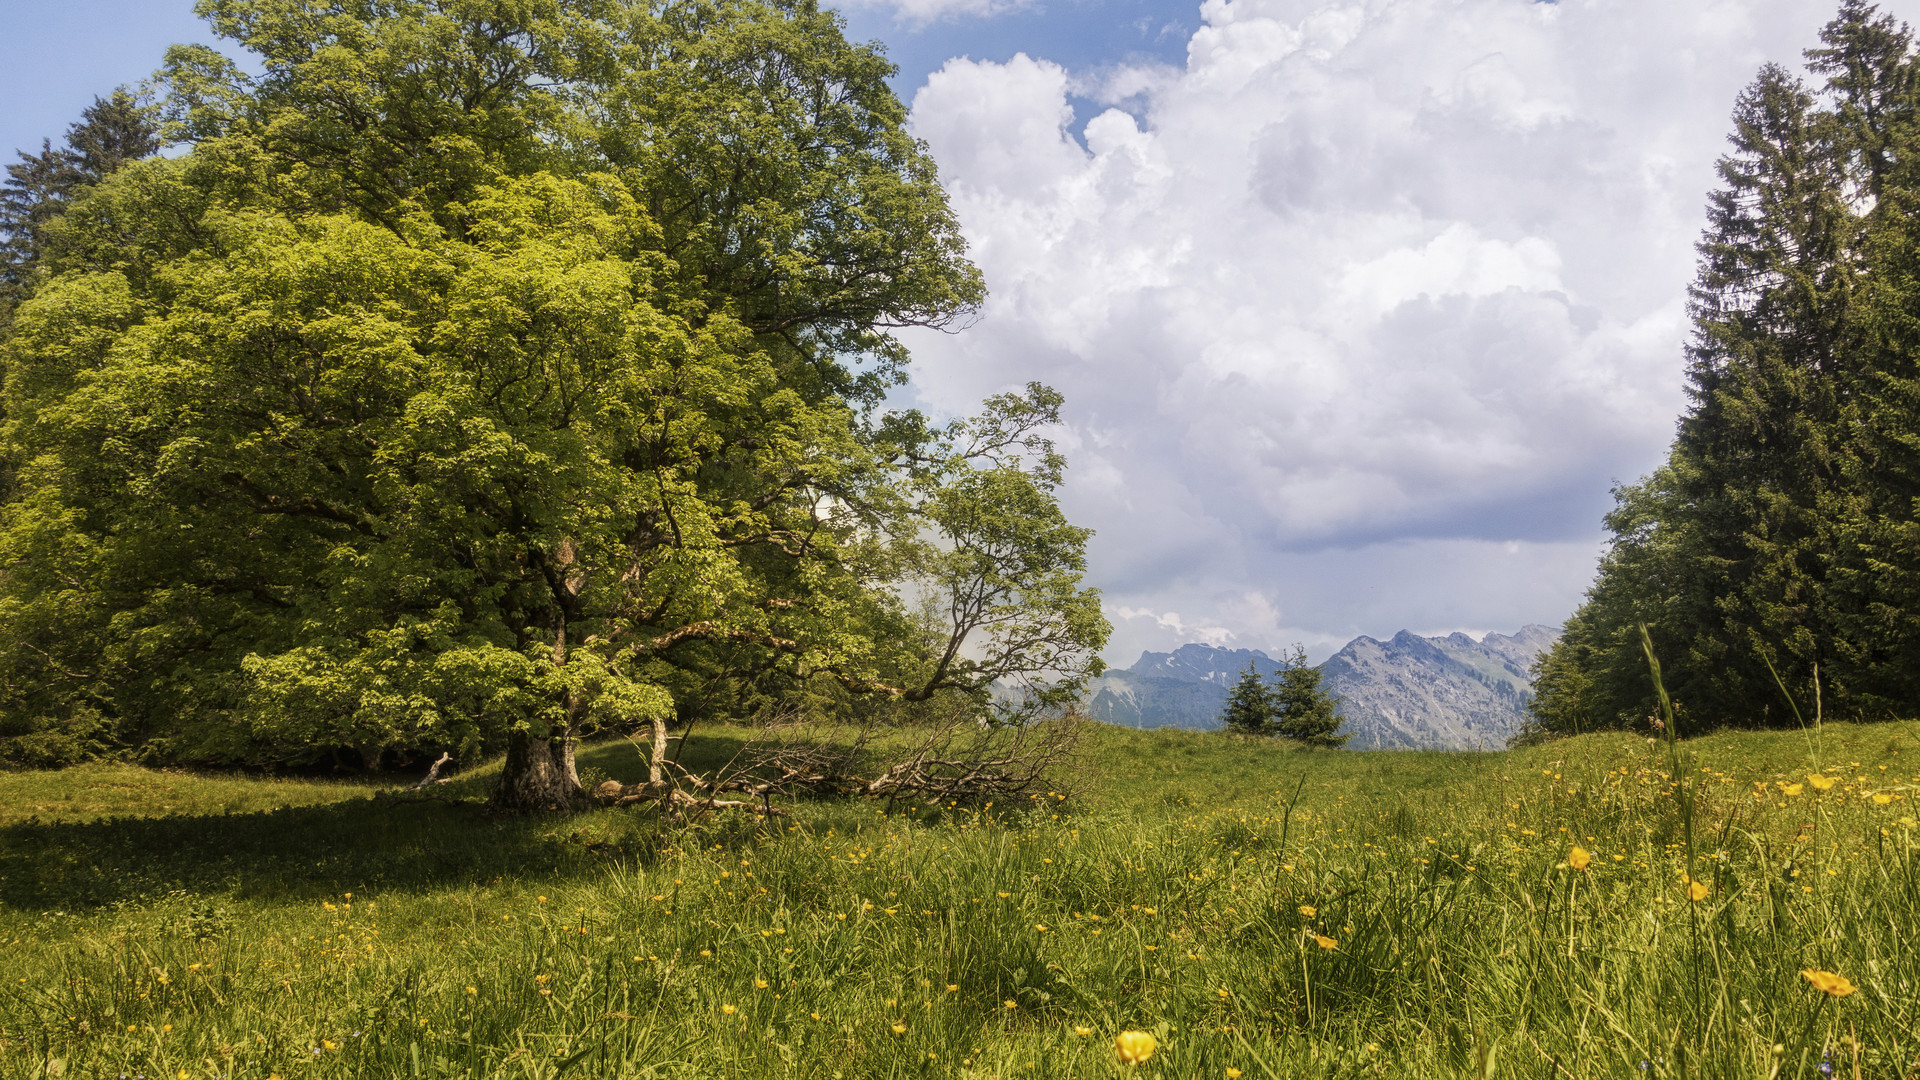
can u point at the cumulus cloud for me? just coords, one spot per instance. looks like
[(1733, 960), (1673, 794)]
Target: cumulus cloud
[(1171, 621), (1368, 300)]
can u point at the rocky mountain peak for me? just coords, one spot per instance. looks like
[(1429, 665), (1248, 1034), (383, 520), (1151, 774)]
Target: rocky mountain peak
[(1408, 692)]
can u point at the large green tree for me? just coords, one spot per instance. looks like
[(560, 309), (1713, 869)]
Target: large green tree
[(1773, 540), (489, 370)]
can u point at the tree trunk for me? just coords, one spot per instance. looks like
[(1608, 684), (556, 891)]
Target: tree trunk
[(569, 775), (532, 778)]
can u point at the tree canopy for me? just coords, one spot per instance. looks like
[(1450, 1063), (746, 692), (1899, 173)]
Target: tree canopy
[(1776, 547), (487, 371)]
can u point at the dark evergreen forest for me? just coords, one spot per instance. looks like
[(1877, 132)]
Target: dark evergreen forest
[(1775, 557)]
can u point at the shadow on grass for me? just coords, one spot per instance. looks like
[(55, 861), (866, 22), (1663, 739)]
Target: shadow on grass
[(359, 843)]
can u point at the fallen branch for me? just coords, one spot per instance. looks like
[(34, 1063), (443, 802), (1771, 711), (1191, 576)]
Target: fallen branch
[(958, 762), (433, 774)]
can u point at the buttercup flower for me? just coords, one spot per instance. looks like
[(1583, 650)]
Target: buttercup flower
[(1829, 983), (1134, 1047), (1579, 857), (1822, 783)]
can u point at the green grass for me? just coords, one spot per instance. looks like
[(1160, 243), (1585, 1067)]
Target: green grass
[(160, 924)]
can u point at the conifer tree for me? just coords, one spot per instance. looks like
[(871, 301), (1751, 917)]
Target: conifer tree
[(1249, 708), (112, 131), (1780, 536), (1303, 709)]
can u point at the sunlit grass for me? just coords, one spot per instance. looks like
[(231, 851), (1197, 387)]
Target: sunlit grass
[(1426, 916)]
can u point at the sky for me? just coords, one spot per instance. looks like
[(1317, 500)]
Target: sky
[(1360, 308)]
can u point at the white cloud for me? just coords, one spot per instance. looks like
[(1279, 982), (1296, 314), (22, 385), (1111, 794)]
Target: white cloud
[(1171, 621), (1379, 294)]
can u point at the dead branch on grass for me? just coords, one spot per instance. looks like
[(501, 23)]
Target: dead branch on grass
[(958, 762)]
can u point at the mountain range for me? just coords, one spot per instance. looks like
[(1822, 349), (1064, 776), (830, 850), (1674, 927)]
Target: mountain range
[(1406, 693)]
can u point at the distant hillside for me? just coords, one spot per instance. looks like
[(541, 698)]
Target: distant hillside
[(1409, 692)]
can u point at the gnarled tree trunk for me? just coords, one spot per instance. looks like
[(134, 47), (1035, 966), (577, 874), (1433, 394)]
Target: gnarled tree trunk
[(534, 776)]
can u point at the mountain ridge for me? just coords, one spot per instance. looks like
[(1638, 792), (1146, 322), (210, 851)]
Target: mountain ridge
[(1408, 692)]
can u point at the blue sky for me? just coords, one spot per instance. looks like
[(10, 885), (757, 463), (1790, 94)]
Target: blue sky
[(1359, 306)]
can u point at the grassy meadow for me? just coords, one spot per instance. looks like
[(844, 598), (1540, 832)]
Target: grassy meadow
[(1263, 912)]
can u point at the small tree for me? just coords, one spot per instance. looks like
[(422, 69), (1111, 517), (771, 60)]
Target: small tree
[(1302, 708), (1249, 708)]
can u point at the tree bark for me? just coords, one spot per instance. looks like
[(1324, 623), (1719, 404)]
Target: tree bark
[(532, 778), (569, 775)]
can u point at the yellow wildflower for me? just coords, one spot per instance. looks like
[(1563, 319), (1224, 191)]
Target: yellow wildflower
[(1828, 983), (899, 1028), (1579, 857), (1325, 942), (1822, 783), (1082, 1031), (1697, 891), (1134, 1047), (728, 1009), (1309, 910)]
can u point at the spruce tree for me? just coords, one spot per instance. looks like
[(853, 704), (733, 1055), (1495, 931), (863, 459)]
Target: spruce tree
[(1249, 708), (1303, 709), (36, 188), (1781, 535), (112, 131)]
